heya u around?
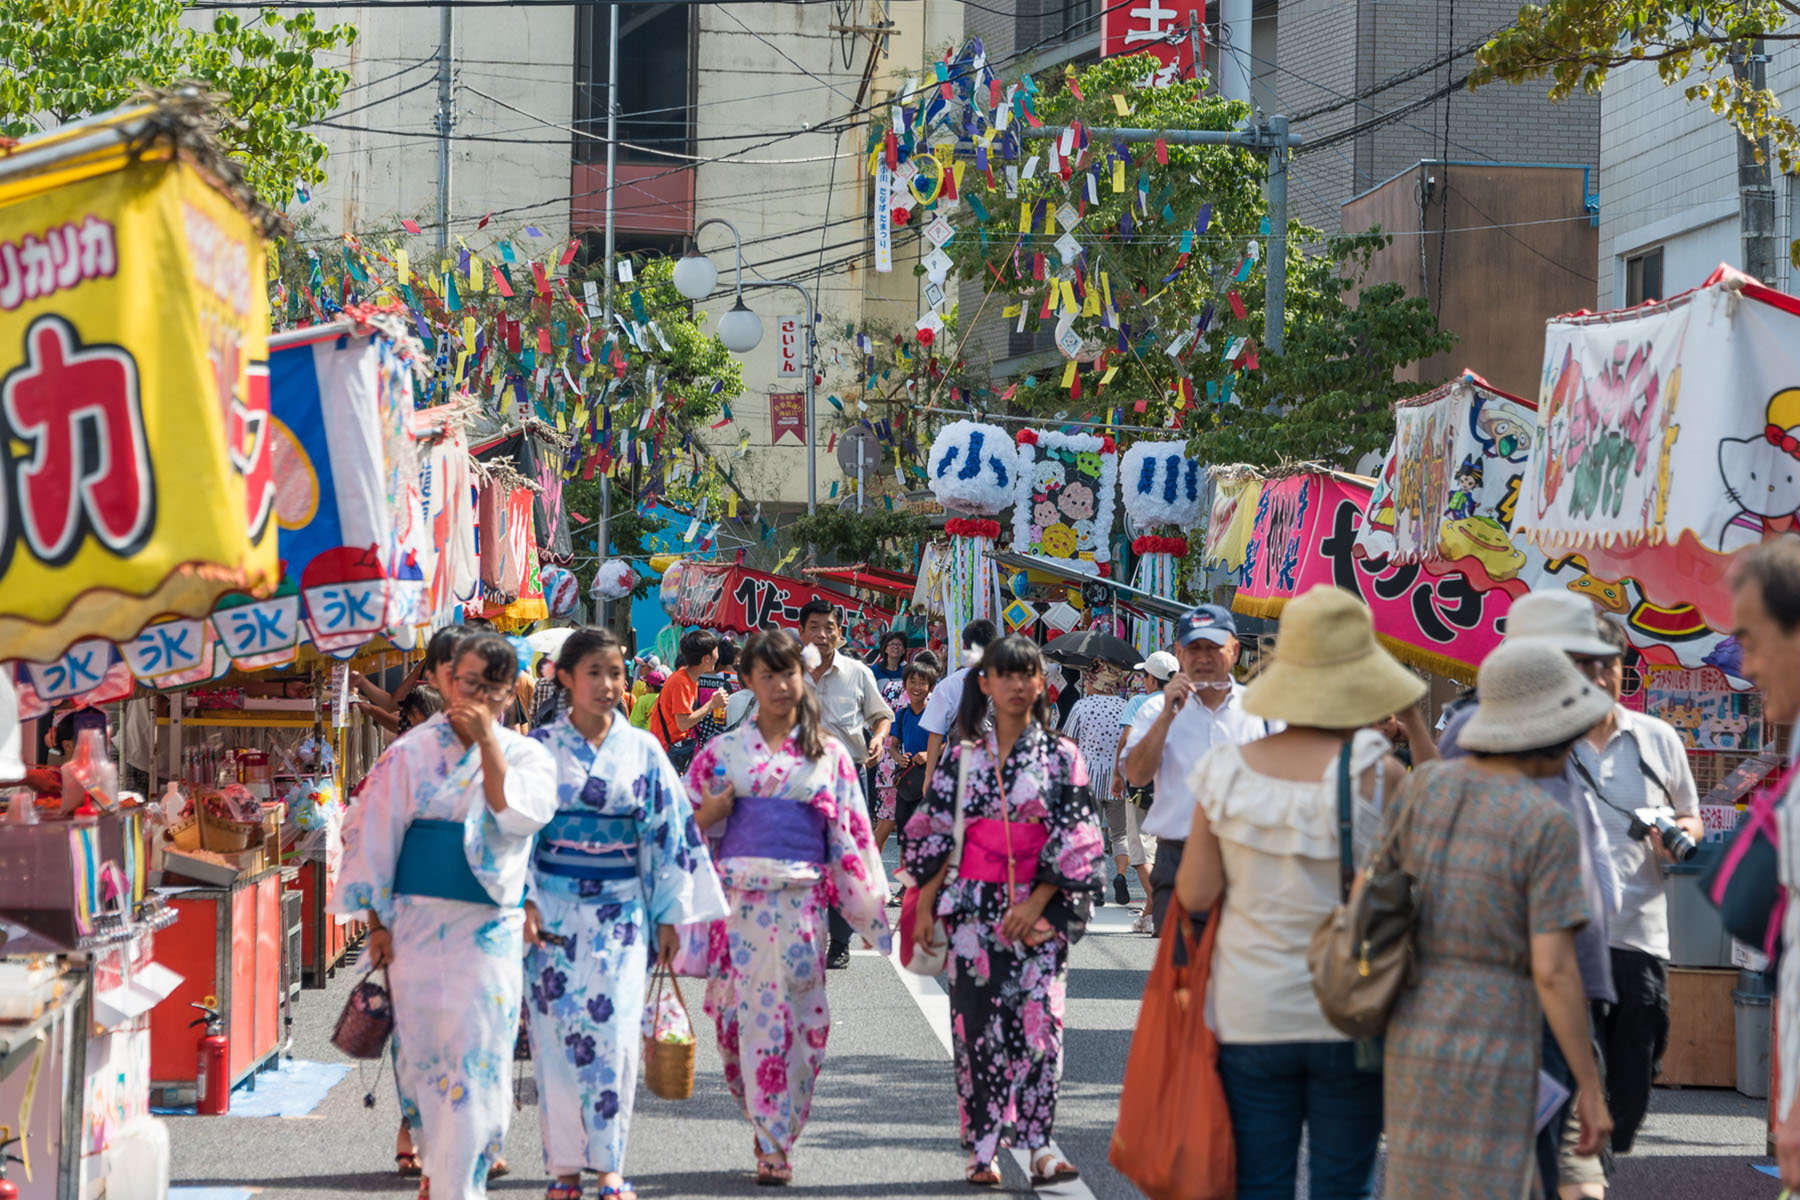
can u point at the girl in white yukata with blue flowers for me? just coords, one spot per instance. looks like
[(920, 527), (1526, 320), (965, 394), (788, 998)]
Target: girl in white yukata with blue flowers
[(435, 854), (621, 857)]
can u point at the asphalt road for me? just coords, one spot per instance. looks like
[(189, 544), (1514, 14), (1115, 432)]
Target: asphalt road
[(884, 1117)]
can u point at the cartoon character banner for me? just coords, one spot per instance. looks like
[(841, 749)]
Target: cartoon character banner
[(1231, 519), (1447, 498), (134, 404), (1447, 493), (1668, 437), (1704, 710), (738, 600), (1305, 535), (1064, 505)]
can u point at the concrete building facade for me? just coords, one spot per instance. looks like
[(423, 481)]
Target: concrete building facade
[(1668, 173)]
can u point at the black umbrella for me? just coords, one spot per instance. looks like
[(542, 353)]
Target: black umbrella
[(1087, 646)]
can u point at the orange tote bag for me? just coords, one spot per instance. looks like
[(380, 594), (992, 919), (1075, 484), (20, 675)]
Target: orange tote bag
[(1173, 1139)]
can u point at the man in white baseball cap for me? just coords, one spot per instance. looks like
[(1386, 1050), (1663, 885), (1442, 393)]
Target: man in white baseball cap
[(1124, 801)]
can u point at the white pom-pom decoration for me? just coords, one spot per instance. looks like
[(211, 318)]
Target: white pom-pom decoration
[(974, 468), (1162, 485), (614, 580), (561, 590)]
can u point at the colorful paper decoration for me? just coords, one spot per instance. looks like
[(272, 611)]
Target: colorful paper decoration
[(612, 581), (973, 468), (1064, 508)]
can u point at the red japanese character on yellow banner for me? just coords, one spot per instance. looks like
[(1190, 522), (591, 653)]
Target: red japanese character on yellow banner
[(135, 480)]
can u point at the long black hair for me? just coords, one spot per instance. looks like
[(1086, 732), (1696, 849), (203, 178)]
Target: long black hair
[(588, 639), (779, 652), (1011, 655)]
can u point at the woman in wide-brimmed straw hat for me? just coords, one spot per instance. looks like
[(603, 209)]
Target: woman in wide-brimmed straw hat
[(1266, 837), (1498, 865)]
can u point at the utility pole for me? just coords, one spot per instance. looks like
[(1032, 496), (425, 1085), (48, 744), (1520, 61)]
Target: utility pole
[(1756, 194), (612, 163), (446, 27), (1270, 137), (1235, 17)]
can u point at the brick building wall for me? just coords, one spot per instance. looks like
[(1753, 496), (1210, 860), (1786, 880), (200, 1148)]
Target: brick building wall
[(1329, 50)]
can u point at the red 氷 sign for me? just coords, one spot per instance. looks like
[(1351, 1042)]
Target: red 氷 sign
[(1159, 27), (738, 600)]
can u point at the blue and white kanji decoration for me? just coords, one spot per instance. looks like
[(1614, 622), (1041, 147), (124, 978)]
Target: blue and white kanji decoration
[(1165, 492)]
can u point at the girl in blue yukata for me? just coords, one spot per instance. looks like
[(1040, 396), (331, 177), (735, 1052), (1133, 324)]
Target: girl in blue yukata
[(621, 859)]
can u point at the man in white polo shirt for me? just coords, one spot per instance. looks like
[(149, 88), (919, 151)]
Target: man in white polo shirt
[(1198, 708), (941, 708)]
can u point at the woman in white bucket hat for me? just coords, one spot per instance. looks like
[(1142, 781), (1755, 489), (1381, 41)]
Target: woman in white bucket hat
[(1500, 896)]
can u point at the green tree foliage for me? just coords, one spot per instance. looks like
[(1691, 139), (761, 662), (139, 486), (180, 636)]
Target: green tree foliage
[(879, 537), (1168, 271), (1328, 397), (1699, 47), (65, 59)]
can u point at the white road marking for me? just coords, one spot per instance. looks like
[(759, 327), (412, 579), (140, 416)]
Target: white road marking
[(934, 1004)]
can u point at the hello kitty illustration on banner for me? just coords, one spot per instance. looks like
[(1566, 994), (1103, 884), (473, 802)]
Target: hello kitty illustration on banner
[(1670, 437)]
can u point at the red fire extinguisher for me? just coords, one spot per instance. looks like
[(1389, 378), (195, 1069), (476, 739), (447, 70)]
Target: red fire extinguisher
[(8, 1189), (212, 1066)]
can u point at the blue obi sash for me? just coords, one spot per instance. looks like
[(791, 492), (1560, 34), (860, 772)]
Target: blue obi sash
[(580, 845), (775, 827), (433, 863)]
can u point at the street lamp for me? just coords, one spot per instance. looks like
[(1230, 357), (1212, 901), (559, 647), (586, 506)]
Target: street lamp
[(741, 329)]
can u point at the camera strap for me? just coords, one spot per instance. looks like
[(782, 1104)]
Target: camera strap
[(1643, 766)]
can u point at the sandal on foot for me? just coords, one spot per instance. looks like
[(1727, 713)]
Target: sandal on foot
[(622, 1192), (982, 1175), (558, 1190), (407, 1163), (424, 1188), (1049, 1169), (772, 1174), (498, 1169)]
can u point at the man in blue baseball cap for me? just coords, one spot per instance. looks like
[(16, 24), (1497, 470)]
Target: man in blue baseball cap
[(1197, 709)]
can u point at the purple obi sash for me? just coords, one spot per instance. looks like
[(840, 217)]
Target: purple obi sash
[(984, 850), (774, 827)]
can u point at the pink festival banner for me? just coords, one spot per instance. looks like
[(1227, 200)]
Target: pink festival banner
[(1305, 535)]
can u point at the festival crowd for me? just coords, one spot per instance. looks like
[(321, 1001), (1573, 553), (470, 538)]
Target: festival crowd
[(555, 845)]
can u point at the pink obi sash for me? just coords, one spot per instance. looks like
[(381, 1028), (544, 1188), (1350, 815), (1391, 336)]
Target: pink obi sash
[(984, 850)]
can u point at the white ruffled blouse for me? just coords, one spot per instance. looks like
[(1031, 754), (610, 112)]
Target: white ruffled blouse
[(1278, 839)]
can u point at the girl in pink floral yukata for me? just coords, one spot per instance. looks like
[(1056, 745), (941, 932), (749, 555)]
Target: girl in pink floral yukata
[(792, 840), (1012, 905)]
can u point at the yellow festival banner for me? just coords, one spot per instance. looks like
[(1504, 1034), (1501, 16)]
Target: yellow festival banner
[(135, 479)]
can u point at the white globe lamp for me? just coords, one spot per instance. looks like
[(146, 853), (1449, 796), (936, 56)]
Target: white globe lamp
[(740, 329), (695, 275)]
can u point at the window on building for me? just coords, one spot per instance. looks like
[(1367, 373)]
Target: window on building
[(1644, 277), (1074, 18), (655, 81)]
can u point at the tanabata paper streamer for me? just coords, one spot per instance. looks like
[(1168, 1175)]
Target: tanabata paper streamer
[(1067, 484), (1305, 535), (1669, 437), (1162, 485), (1231, 518), (974, 468), (134, 434)]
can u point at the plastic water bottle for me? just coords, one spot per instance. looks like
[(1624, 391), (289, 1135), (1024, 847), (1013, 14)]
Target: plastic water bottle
[(718, 775)]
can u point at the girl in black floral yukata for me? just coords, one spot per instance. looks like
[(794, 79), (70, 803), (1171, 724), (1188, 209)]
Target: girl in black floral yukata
[(1017, 899)]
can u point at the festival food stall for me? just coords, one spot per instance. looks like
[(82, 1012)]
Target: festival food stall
[(132, 326)]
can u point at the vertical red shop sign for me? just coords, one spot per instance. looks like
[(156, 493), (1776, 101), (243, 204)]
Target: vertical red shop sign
[(1159, 27), (787, 414), (787, 347)]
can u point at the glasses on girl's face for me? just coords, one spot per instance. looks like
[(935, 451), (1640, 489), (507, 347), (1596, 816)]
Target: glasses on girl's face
[(473, 687)]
